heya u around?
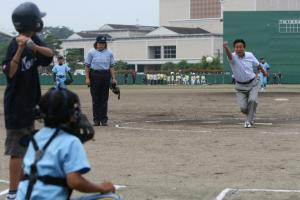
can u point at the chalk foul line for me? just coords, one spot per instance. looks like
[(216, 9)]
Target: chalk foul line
[(231, 191), (158, 129), (4, 192)]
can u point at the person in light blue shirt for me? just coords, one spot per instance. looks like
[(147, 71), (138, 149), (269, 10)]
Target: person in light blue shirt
[(60, 72), (263, 79), (246, 84), (56, 159), (100, 73)]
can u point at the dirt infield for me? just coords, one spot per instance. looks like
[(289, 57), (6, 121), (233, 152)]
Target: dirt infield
[(175, 143)]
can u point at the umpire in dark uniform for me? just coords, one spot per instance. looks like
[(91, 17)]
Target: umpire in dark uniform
[(99, 73)]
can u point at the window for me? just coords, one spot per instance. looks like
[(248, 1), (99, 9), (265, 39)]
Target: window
[(205, 9), (155, 52), (169, 51)]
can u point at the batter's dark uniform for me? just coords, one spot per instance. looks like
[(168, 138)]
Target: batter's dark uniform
[(23, 91), (99, 63)]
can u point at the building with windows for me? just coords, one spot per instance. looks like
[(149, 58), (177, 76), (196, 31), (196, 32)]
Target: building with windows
[(193, 29), (208, 14), (147, 47)]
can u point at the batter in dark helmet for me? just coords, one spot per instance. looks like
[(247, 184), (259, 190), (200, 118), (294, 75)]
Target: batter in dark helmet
[(24, 54)]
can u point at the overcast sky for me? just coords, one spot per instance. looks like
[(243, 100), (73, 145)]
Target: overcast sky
[(87, 14)]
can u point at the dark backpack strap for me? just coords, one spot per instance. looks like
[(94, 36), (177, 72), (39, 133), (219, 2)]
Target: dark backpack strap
[(33, 168), (51, 180)]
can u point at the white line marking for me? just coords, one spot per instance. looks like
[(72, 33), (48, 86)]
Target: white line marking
[(187, 120), (269, 190), (157, 129), (166, 120), (283, 99), (211, 122), (118, 187), (175, 130), (281, 133), (4, 192), (231, 191), (223, 194), (260, 123), (3, 181)]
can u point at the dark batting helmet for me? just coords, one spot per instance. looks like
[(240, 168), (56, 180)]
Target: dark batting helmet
[(28, 17)]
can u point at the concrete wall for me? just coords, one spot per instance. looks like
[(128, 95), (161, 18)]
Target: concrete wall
[(129, 49), (177, 12), (276, 5), (173, 10), (187, 48), (211, 25), (239, 5)]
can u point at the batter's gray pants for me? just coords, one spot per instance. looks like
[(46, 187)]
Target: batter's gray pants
[(247, 98)]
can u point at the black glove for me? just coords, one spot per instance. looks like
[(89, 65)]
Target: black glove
[(115, 89), (68, 81)]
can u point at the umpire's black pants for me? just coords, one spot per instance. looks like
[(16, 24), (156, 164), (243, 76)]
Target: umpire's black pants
[(100, 81)]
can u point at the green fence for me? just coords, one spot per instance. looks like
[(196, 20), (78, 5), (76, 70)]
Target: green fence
[(274, 35), (80, 80), (210, 79)]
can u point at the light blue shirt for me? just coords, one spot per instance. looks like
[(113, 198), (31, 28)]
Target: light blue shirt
[(265, 66), (100, 60), (64, 155), (61, 70), (242, 68)]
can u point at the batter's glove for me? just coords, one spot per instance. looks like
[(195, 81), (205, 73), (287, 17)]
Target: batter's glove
[(115, 89), (68, 81)]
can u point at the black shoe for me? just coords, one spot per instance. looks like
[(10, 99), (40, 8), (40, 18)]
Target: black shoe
[(96, 123), (104, 123)]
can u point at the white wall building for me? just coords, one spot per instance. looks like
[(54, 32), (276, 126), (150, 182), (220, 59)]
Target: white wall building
[(147, 47), (207, 14)]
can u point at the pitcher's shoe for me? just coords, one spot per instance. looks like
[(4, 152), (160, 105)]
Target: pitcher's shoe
[(247, 124)]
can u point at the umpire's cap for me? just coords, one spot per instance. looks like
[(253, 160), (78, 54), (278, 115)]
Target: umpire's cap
[(101, 39), (28, 17)]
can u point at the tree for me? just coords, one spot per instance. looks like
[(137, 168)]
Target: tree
[(169, 66), (182, 65), (52, 37), (3, 48), (75, 58), (53, 42), (59, 32), (121, 65)]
